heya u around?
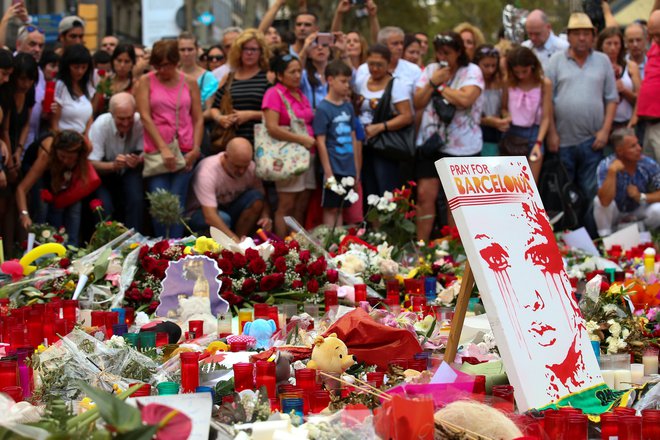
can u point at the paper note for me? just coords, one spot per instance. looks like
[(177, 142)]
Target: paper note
[(627, 238), (580, 239)]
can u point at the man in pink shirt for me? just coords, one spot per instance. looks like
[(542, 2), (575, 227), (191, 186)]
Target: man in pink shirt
[(648, 105), (227, 193)]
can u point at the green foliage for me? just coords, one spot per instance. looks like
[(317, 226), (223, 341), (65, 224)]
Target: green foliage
[(118, 414), (164, 207)]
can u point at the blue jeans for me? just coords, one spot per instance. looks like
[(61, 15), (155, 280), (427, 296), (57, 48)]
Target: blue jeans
[(581, 162), (177, 184), (230, 212), (126, 190), (68, 217), (530, 133)]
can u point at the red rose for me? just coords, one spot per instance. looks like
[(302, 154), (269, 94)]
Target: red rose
[(317, 268), (446, 230), (225, 266), (133, 294), (375, 278), (249, 286), (160, 247), (313, 285), (232, 299), (279, 250), (280, 264), (251, 254), (46, 196), (293, 244), (95, 204), (300, 269), (101, 73), (64, 263), (304, 256), (58, 238), (604, 285), (226, 254), (297, 284), (332, 275), (144, 250), (147, 294), (152, 307), (257, 265), (226, 284), (271, 282), (238, 260)]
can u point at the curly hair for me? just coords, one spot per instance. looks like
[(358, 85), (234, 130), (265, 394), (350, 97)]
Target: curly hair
[(475, 31), (235, 53)]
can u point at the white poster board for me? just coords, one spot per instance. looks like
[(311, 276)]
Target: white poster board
[(159, 20), (520, 274)]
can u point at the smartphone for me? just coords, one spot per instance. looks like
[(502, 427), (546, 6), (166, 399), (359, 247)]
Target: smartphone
[(325, 39), (359, 3)]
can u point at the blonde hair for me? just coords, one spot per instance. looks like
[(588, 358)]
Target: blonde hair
[(475, 31), (235, 53)]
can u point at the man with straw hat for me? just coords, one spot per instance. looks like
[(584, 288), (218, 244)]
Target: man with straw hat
[(585, 100)]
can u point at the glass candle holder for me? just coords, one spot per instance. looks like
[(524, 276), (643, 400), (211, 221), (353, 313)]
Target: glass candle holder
[(293, 405), (98, 318), (608, 426), (237, 346), (637, 373), (331, 299), (392, 288), (70, 310), (196, 326), (650, 424), (312, 310), (122, 314), (376, 377), (504, 399), (265, 368), (15, 392), (624, 411), (553, 424), (129, 313), (162, 339), (147, 340), (167, 388), (267, 381), (413, 286), (430, 288), (224, 324), (360, 293), (479, 384), (25, 372), (273, 313), (8, 373), (306, 379), (189, 371), (650, 361), (575, 427), (630, 428), (320, 401), (243, 376), (244, 315), (131, 339), (119, 329), (145, 390), (261, 311)]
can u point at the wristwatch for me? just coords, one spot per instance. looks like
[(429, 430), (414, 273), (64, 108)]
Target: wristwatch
[(642, 198), (24, 213)]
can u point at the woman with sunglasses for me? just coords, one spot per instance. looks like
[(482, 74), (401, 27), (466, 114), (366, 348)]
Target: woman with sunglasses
[(527, 102), (493, 124), (292, 194), (74, 91), (246, 85), (214, 57), (59, 160), (207, 83), (121, 80), (380, 174), (451, 82), (171, 110)]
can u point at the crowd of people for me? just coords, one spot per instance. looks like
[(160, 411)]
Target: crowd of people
[(360, 115)]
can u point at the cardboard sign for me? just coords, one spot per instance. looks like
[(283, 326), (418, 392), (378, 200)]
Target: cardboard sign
[(520, 274)]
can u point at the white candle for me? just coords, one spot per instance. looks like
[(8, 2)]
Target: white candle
[(622, 379), (30, 241), (637, 373), (650, 363), (608, 377)]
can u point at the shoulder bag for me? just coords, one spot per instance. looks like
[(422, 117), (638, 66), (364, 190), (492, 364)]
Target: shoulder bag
[(78, 189), (221, 136), (397, 144), (153, 162), (512, 145), (279, 160)]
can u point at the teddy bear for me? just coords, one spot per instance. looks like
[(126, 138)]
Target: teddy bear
[(330, 355), (261, 330)]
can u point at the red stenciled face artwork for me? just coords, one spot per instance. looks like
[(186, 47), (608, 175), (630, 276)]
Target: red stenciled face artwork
[(537, 295)]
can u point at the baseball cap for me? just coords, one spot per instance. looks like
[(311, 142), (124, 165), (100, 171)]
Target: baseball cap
[(68, 23)]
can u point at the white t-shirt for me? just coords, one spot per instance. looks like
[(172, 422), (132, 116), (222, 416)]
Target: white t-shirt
[(405, 70), (107, 144), (463, 135), (75, 112), (370, 99)]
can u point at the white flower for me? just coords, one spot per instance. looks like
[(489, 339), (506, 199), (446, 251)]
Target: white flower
[(615, 328), (352, 196), (372, 200), (388, 268), (387, 195), (447, 296), (338, 189), (382, 204), (45, 233), (609, 308), (348, 181), (331, 181), (391, 206), (353, 265)]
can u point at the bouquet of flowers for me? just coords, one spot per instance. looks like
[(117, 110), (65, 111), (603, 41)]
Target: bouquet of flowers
[(394, 215)]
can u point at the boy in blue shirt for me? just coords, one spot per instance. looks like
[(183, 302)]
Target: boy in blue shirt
[(337, 147)]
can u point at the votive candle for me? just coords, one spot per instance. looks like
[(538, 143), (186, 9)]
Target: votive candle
[(189, 371), (622, 379), (650, 361), (637, 373)]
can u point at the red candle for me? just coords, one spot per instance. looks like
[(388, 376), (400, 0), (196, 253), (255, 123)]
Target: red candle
[(273, 313), (320, 401), (650, 424), (144, 391), (376, 377), (162, 339), (360, 293), (261, 311), (111, 318), (189, 371), (70, 309), (267, 381), (576, 427), (129, 312), (265, 368), (243, 376), (608, 426), (392, 288), (238, 346), (630, 427), (197, 327), (8, 373), (306, 379), (35, 328), (479, 384), (331, 299), (98, 318), (553, 423), (14, 392)]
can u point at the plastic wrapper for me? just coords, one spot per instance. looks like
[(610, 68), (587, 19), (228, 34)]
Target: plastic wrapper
[(79, 356)]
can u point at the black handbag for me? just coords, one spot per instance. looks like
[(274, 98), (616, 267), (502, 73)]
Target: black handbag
[(398, 145), (443, 108), (512, 145)]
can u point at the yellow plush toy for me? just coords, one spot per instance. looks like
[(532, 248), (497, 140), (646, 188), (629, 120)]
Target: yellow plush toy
[(330, 355)]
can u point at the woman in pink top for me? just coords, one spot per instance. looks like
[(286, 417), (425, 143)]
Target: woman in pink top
[(158, 96), (527, 102), (292, 194)]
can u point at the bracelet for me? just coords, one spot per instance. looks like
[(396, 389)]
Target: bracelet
[(539, 143), (24, 213)]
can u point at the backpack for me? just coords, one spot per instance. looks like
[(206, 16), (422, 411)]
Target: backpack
[(562, 199)]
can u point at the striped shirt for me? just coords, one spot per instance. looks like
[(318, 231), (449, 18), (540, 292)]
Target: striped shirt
[(246, 94)]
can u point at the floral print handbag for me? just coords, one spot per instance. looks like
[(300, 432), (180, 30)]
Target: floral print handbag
[(279, 160)]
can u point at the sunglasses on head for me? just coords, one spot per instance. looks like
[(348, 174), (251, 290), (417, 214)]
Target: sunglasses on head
[(490, 51), (29, 29), (443, 39), (288, 57)]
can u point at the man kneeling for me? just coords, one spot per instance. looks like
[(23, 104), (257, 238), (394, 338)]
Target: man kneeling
[(227, 193), (628, 186)]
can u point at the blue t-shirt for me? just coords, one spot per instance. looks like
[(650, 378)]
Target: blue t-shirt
[(646, 179), (335, 122)]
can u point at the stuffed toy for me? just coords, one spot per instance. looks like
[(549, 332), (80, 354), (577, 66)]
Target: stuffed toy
[(261, 330), (330, 355)]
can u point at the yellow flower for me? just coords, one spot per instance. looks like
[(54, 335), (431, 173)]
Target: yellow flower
[(133, 245), (41, 348), (187, 250), (69, 286), (205, 244), (216, 346), (86, 404)]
